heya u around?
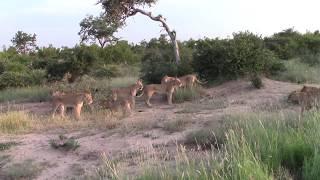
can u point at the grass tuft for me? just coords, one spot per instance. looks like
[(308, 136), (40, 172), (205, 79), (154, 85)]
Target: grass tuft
[(14, 122), (64, 143)]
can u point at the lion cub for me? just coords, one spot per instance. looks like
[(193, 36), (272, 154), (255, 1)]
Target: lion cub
[(74, 100), (165, 88), (122, 104), (126, 92), (186, 80)]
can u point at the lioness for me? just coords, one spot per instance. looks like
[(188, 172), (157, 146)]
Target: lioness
[(122, 104), (75, 100), (165, 88), (186, 80), (126, 92), (307, 97)]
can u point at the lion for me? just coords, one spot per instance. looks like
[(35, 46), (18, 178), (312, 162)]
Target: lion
[(165, 88), (125, 92), (307, 97), (74, 100), (186, 80), (123, 104)]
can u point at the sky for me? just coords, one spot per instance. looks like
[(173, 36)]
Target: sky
[(56, 22)]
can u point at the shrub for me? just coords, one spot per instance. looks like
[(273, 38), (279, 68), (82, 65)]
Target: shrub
[(16, 79), (106, 72), (256, 81), (231, 58), (64, 143), (13, 79), (310, 58), (155, 66)]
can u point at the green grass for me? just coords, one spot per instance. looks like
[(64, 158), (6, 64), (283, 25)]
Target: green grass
[(256, 146), (7, 145), (26, 94), (186, 94), (299, 72)]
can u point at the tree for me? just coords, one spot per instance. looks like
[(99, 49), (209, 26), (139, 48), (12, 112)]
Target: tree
[(96, 29), (120, 10), (23, 42)]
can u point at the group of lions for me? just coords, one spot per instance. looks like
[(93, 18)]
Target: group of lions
[(307, 97), (122, 98)]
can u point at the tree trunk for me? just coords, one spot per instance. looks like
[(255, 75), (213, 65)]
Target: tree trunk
[(172, 34)]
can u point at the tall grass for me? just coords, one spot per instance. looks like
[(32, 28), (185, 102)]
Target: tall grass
[(25, 94), (299, 72), (257, 146)]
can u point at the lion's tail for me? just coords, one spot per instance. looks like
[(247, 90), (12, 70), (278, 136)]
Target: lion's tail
[(197, 80)]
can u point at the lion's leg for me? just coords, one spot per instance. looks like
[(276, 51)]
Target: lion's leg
[(54, 109), (128, 109), (62, 111), (77, 111), (133, 102), (148, 97), (169, 97)]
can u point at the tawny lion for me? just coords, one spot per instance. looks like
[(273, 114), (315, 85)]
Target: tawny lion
[(74, 100), (126, 92), (124, 105), (165, 88), (186, 80), (307, 97)]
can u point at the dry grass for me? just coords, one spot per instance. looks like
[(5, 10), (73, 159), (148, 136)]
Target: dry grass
[(176, 125), (25, 170)]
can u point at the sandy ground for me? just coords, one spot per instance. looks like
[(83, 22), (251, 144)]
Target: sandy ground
[(239, 96)]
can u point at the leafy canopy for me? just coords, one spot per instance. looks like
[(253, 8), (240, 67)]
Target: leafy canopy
[(98, 29), (23, 42), (120, 10)]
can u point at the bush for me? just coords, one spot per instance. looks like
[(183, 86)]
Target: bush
[(64, 143), (310, 58), (155, 66), (232, 58), (16, 79), (256, 81), (106, 72)]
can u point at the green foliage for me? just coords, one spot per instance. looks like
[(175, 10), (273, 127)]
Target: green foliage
[(231, 58), (106, 72), (23, 42), (256, 81), (23, 79), (284, 43), (155, 66), (95, 29), (7, 145), (186, 94), (299, 72), (26, 94)]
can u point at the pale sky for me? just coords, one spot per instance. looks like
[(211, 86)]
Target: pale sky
[(57, 21)]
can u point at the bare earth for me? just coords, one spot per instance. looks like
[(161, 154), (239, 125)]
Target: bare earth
[(135, 134)]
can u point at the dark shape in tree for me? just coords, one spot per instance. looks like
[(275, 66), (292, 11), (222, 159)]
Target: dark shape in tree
[(120, 10), (23, 42), (95, 29)]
